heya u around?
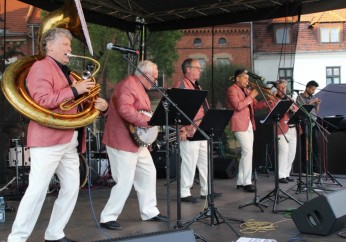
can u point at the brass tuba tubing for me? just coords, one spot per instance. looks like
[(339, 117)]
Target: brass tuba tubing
[(13, 82), (91, 95)]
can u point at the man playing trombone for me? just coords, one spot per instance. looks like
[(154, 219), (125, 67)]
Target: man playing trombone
[(243, 102)]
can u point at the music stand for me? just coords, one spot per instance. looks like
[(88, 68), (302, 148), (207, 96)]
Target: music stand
[(273, 118), (213, 124), (296, 119), (163, 116), (330, 123)]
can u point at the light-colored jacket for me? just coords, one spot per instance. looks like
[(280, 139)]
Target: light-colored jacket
[(48, 87), (128, 98)]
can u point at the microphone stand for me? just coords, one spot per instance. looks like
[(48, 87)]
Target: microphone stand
[(169, 102), (326, 173), (309, 140)]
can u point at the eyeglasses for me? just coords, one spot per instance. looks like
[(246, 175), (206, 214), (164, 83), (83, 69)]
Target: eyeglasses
[(196, 67)]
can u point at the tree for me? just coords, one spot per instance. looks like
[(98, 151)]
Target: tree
[(216, 81), (113, 66), (161, 49)]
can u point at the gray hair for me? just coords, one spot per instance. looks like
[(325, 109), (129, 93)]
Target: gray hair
[(146, 67), (51, 35)]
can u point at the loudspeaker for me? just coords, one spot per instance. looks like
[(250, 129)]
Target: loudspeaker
[(185, 235), (322, 215), (225, 168)]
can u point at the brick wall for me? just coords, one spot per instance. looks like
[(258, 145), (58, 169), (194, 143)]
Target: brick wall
[(237, 47)]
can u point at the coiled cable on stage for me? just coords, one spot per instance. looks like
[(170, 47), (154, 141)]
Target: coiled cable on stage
[(252, 226)]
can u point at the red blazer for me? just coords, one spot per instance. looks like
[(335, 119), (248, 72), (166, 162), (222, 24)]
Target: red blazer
[(129, 96), (186, 84), (48, 87), (237, 101)]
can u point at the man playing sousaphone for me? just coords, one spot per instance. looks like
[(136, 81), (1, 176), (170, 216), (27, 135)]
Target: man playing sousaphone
[(52, 150), (131, 164)]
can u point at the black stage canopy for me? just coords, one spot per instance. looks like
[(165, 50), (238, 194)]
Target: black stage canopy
[(159, 15)]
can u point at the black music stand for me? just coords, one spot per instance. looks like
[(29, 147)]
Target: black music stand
[(184, 101), (296, 119), (329, 123), (213, 124), (273, 118)]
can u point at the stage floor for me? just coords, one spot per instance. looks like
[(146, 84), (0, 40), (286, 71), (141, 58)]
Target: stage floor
[(83, 225)]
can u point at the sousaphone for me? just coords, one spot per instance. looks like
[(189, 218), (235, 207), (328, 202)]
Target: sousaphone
[(69, 16)]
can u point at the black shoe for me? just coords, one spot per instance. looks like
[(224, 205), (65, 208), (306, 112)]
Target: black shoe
[(215, 194), (61, 240), (239, 186), (113, 225), (290, 179), (283, 180), (189, 199), (159, 218), (249, 188)]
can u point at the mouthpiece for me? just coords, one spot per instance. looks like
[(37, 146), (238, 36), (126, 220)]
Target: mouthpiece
[(71, 55)]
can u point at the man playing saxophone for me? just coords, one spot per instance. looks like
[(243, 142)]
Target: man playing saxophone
[(52, 150)]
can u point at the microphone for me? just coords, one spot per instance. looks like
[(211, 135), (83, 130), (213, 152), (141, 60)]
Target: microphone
[(273, 83), (125, 50), (297, 91), (255, 76)]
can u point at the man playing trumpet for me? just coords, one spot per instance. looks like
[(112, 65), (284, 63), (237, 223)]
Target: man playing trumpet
[(307, 98)]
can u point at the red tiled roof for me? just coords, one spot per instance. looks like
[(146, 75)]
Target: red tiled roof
[(338, 15), (18, 15)]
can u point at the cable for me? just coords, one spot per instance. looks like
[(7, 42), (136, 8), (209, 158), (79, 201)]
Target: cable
[(253, 226)]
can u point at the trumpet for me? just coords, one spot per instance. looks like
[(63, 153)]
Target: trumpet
[(85, 75)]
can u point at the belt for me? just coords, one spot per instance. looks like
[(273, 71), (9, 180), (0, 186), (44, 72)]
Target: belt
[(291, 126)]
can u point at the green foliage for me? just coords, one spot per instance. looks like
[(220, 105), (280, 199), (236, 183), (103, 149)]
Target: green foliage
[(161, 49), (113, 66), (216, 81)]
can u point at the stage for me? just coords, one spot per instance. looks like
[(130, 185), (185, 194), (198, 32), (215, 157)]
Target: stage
[(83, 225)]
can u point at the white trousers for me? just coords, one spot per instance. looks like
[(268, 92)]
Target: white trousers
[(245, 139), (287, 152), (193, 153), (64, 161), (131, 169)]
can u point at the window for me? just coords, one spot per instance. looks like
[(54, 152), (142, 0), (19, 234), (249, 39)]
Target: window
[(283, 35), (222, 61), (333, 75), (197, 42), (287, 74), (330, 34), (222, 41)]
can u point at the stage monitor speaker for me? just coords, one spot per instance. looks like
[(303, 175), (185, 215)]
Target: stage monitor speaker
[(185, 235), (322, 215), (225, 168)]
